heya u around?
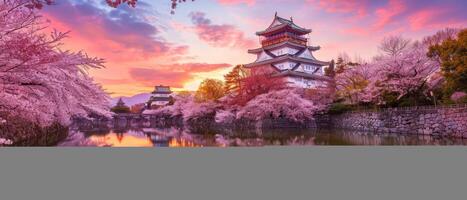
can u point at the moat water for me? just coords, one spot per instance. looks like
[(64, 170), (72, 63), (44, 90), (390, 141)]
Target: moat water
[(179, 137)]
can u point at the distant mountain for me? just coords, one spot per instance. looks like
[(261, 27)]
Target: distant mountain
[(129, 101)]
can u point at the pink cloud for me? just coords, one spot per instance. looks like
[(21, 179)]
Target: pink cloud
[(433, 18), (112, 33), (422, 18), (356, 31), (383, 16), (356, 7), (175, 75), (386, 14), (223, 35)]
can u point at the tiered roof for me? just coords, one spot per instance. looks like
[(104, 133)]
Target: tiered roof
[(287, 57), (120, 102), (285, 33), (282, 44), (162, 90), (280, 24), (302, 74)]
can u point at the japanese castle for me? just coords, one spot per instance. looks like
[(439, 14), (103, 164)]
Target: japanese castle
[(285, 52), (161, 96)]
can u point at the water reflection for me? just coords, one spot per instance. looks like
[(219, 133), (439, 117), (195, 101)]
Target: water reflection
[(177, 137), (130, 139)]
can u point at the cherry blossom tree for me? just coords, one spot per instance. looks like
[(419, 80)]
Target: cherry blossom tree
[(132, 3), (38, 4), (194, 111), (254, 85), (285, 103), (352, 83), (175, 3), (224, 116), (459, 96), (181, 100), (38, 80), (291, 104), (115, 3), (394, 45), (322, 95), (186, 107), (404, 71)]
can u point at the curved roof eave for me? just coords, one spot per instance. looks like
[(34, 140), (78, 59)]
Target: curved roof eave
[(288, 57), (306, 75)]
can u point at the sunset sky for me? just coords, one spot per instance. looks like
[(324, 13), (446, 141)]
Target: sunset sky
[(147, 46)]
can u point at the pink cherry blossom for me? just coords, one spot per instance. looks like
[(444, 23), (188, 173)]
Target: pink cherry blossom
[(285, 103), (405, 70), (38, 80)]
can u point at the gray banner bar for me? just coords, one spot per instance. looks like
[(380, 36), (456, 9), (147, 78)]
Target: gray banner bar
[(285, 173)]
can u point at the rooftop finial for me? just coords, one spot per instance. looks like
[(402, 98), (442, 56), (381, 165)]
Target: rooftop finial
[(120, 102), (275, 15), (291, 19)]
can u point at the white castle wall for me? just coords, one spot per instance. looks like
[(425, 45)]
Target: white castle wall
[(303, 83), (284, 50)]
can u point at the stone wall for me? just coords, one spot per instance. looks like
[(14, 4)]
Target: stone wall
[(443, 121)]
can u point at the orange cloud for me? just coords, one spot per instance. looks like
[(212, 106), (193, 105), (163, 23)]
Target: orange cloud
[(174, 75)]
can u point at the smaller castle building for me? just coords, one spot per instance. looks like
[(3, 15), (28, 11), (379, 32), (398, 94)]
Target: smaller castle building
[(161, 96), (120, 103)]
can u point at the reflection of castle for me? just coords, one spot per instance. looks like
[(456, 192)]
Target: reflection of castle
[(170, 138), (159, 141), (157, 137), (161, 96)]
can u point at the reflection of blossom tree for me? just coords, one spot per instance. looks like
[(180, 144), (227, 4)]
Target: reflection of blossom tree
[(76, 138), (121, 130), (301, 140)]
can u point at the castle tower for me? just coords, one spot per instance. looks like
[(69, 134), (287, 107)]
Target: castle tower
[(161, 96), (285, 52), (120, 103)]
